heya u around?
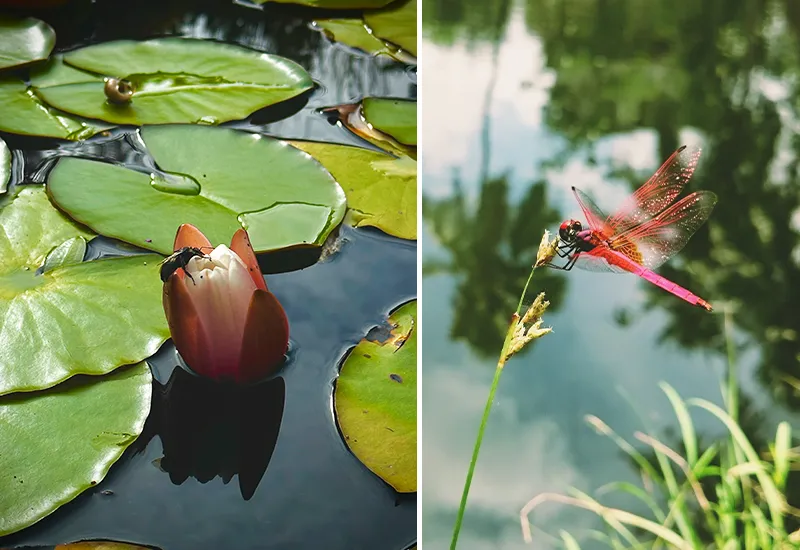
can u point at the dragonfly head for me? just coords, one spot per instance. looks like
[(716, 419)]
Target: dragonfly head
[(568, 231)]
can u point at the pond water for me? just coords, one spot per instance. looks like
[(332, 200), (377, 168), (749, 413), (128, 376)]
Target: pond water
[(531, 98), (270, 469)]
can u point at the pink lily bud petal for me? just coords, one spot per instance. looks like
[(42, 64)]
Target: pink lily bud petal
[(221, 294), (189, 235), (188, 334), (266, 337), (240, 243)]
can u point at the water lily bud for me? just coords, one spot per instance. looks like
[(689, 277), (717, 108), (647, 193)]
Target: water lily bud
[(225, 323)]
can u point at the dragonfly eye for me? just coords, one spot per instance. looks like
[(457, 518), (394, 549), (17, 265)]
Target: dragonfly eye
[(567, 230)]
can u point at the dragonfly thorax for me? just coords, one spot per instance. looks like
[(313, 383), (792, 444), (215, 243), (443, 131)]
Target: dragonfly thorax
[(568, 232)]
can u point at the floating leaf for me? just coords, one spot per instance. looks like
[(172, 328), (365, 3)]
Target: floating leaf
[(355, 34), (86, 318), (24, 41), (351, 115), (396, 23), (396, 117), (376, 402), (5, 166), (381, 189), (59, 442), (216, 179), (176, 80), (22, 112)]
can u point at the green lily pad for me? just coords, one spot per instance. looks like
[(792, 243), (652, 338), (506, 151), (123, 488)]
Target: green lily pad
[(376, 402), (22, 112), (353, 33), (5, 166), (58, 443), (24, 41), (175, 80), (217, 179), (396, 23), (381, 189), (84, 318), (396, 117)]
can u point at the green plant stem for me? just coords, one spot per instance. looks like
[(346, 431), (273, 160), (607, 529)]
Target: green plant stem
[(484, 420)]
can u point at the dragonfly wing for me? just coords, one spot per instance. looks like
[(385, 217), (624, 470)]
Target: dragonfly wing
[(594, 215), (594, 261), (658, 193), (666, 234)]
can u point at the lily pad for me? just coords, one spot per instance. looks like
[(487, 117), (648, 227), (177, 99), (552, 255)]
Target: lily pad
[(5, 166), (217, 179), (24, 41), (376, 402), (58, 443), (22, 112), (84, 318), (353, 33), (396, 117), (176, 80), (396, 23), (381, 189)]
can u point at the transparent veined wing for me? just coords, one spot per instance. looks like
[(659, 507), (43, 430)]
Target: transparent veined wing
[(658, 192), (595, 217), (660, 238), (592, 261)]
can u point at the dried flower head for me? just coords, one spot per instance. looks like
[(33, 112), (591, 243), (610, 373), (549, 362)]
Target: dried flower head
[(529, 327), (547, 249)]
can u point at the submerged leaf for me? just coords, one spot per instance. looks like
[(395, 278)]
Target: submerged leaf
[(217, 179), (24, 41), (381, 189), (175, 80), (58, 443), (84, 318), (376, 402)]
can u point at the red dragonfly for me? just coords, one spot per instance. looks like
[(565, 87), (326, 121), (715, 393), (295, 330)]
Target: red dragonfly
[(645, 232)]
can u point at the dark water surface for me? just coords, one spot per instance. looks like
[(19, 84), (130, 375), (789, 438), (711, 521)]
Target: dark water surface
[(266, 467), (533, 97)]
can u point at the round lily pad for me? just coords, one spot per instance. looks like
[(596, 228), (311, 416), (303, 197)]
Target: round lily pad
[(59, 442), (396, 23), (376, 402), (381, 189), (217, 179), (5, 166), (24, 41), (74, 318), (175, 80), (396, 117)]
